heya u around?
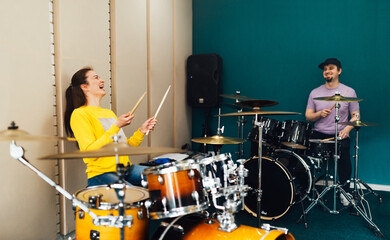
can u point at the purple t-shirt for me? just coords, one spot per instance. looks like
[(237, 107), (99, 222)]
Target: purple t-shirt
[(327, 125)]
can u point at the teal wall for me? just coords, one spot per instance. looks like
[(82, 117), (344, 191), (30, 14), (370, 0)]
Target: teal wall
[(271, 50)]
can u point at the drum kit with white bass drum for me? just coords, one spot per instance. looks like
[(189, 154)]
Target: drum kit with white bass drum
[(198, 197)]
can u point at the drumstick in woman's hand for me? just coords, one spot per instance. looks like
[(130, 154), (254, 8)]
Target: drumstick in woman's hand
[(136, 105), (158, 109)]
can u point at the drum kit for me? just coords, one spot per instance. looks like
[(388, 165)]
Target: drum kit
[(179, 191), (183, 191)]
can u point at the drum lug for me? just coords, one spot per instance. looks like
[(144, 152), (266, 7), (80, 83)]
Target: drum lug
[(81, 214), (94, 235), (160, 179), (144, 183), (175, 227), (191, 174), (140, 214)]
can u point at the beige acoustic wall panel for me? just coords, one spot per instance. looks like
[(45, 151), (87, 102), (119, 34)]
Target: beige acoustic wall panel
[(28, 204), (161, 69), (82, 40), (130, 64), (183, 49)]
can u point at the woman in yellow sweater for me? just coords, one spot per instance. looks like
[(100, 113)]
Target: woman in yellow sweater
[(94, 127)]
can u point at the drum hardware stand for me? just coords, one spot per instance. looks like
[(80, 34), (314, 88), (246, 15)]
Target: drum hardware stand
[(259, 154), (120, 190), (356, 193), (234, 196), (240, 130), (336, 186), (17, 152)]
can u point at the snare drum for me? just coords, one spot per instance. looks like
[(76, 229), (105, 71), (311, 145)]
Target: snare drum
[(286, 180), (320, 149), (197, 227), (175, 189), (295, 134), (107, 205)]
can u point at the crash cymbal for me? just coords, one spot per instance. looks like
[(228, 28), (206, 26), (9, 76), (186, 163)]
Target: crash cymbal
[(358, 123), (218, 140), (257, 103), (338, 98), (258, 112), (15, 134), (111, 149), (236, 96)]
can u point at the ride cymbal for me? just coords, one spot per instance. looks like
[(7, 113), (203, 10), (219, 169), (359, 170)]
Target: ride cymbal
[(258, 112), (218, 140), (257, 103), (358, 123), (338, 98), (113, 149), (236, 96)]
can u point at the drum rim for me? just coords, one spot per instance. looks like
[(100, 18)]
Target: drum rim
[(305, 165), (172, 167), (181, 211), (215, 158), (109, 205)]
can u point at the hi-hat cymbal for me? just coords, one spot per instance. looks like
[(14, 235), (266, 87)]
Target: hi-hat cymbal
[(113, 149), (14, 134), (338, 98), (218, 140), (257, 103), (258, 112), (358, 123), (236, 96)]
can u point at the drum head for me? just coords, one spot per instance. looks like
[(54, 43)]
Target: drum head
[(286, 180), (276, 185), (109, 197)]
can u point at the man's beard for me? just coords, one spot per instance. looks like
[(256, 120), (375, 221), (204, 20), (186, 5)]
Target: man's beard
[(328, 79)]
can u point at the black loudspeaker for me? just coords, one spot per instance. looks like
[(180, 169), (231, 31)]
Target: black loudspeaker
[(203, 80)]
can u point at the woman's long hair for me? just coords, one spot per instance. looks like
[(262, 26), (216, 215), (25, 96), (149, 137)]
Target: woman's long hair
[(75, 96)]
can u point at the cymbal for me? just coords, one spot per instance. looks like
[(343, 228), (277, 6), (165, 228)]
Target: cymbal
[(338, 98), (218, 140), (236, 96), (257, 103), (111, 149), (258, 112), (358, 123), (20, 135), (235, 106)]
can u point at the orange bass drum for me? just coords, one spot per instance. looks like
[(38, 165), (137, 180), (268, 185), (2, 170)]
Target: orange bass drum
[(194, 227)]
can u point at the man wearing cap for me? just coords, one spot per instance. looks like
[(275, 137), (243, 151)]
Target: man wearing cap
[(323, 113)]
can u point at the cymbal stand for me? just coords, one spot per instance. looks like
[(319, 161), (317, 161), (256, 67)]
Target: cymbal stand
[(240, 130), (17, 152), (120, 190), (337, 187), (260, 125), (358, 193)]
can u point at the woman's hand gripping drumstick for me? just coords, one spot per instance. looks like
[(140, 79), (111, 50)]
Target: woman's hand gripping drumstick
[(159, 107)]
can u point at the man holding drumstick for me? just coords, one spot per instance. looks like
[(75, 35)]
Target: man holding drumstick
[(323, 114)]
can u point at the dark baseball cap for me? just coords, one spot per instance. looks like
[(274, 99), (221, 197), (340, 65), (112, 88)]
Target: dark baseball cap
[(330, 61)]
